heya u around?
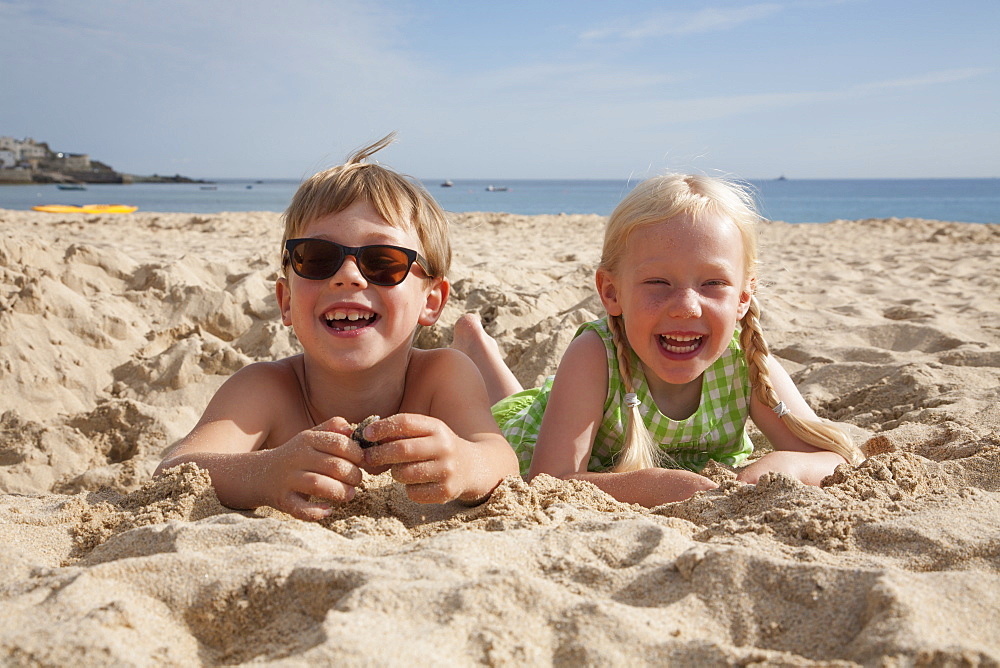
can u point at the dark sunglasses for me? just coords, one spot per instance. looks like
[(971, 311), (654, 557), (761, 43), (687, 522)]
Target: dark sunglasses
[(380, 264)]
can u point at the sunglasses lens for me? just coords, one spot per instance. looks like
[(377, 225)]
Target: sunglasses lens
[(384, 265), (317, 259)]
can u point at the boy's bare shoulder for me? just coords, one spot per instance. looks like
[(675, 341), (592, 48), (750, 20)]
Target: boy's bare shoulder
[(267, 375), (440, 359), (441, 375)]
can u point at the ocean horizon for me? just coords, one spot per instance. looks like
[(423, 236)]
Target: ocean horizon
[(788, 200)]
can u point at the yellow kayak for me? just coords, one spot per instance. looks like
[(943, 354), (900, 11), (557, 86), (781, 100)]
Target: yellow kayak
[(86, 208)]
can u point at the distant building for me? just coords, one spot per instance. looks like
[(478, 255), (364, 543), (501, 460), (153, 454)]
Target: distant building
[(27, 152), (69, 162), (26, 161)]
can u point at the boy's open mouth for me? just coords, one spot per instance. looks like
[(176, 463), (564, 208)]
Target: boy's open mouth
[(348, 320), (681, 344)]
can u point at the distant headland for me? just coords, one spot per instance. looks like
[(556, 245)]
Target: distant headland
[(24, 161)]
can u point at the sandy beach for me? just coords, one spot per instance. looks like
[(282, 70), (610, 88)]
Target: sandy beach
[(116, 330)]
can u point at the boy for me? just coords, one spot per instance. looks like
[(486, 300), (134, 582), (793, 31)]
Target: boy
[(354, 288)]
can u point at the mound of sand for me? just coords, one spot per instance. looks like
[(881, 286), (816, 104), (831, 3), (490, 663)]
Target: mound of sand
[(115, 331)]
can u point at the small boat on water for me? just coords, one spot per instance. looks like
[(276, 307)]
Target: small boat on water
[(71, 186), (496, 189), (447, 184)]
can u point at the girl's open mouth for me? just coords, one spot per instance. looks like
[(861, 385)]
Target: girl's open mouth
[(348, 320), (681, 344)]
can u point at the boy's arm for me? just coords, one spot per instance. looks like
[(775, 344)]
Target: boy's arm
[(446, 445), (237, 422), (236, 419)]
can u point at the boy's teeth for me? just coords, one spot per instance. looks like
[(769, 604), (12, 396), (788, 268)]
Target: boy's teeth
[(348, 315), (344, 316)]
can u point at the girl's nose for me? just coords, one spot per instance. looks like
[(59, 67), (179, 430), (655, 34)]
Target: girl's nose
[(349, 273), (684, 304)]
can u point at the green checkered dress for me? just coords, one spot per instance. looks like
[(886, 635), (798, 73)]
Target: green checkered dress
[(715, 431)]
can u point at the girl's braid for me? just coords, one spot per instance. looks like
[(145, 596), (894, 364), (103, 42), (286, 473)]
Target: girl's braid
[(638, 449), (756, 350), (819, 433)]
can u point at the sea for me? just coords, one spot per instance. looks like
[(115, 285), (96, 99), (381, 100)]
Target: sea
[(790, 200)]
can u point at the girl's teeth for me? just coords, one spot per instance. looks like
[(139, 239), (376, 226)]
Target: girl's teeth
[(670, 344)]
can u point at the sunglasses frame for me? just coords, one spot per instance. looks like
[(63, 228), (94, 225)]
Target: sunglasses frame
[(355, 252)]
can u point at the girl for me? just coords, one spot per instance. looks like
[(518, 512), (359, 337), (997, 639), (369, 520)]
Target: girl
[(644, 397)]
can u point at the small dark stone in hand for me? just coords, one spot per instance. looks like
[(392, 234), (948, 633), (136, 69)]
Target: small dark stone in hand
[(359, 435)]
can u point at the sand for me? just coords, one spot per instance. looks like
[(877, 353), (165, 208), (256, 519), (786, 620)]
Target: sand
[(115, 331)]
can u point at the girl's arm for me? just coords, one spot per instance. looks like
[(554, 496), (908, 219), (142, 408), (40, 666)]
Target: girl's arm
[(575, 409), (791, 455), (571, 421), (446, 444)]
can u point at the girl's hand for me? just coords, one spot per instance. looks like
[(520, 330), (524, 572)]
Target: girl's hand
[(425, 455), (321, 462), (809, 467)]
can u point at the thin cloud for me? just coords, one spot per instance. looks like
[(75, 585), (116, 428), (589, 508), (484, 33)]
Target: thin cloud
[(706, 20), (727, 106), (579, 78), (929, 79)]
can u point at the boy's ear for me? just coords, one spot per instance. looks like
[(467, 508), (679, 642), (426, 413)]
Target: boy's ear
[(436, 298), (284, 296), (608, 292), (748, 291)]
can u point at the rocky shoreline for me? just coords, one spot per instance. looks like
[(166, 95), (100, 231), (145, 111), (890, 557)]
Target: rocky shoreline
[(23, 162)]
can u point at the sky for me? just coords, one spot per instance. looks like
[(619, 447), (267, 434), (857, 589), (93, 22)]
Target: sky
[(588, 89)]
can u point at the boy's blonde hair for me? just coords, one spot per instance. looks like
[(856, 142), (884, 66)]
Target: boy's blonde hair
[(399, 199), (661, 199)]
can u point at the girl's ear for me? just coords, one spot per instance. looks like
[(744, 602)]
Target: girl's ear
[(748, 291), (284, 295), (608, 292), (436, 298)]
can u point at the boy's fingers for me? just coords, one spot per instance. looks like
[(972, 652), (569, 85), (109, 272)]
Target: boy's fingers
[(402, 438), (338, 445), (301, 508), (337, 425), (327, 487), (404, 425), (431, 492), (390, 453), (331, 468), (375, 470), (416, 473)]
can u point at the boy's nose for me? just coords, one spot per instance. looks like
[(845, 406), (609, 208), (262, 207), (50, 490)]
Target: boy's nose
[(349, 273)]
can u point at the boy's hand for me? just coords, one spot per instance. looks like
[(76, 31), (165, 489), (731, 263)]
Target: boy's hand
[(434, 463), (321, 462)]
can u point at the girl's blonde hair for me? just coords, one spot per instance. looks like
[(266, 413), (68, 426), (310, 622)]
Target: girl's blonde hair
[(399, 199), (660, 199)]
